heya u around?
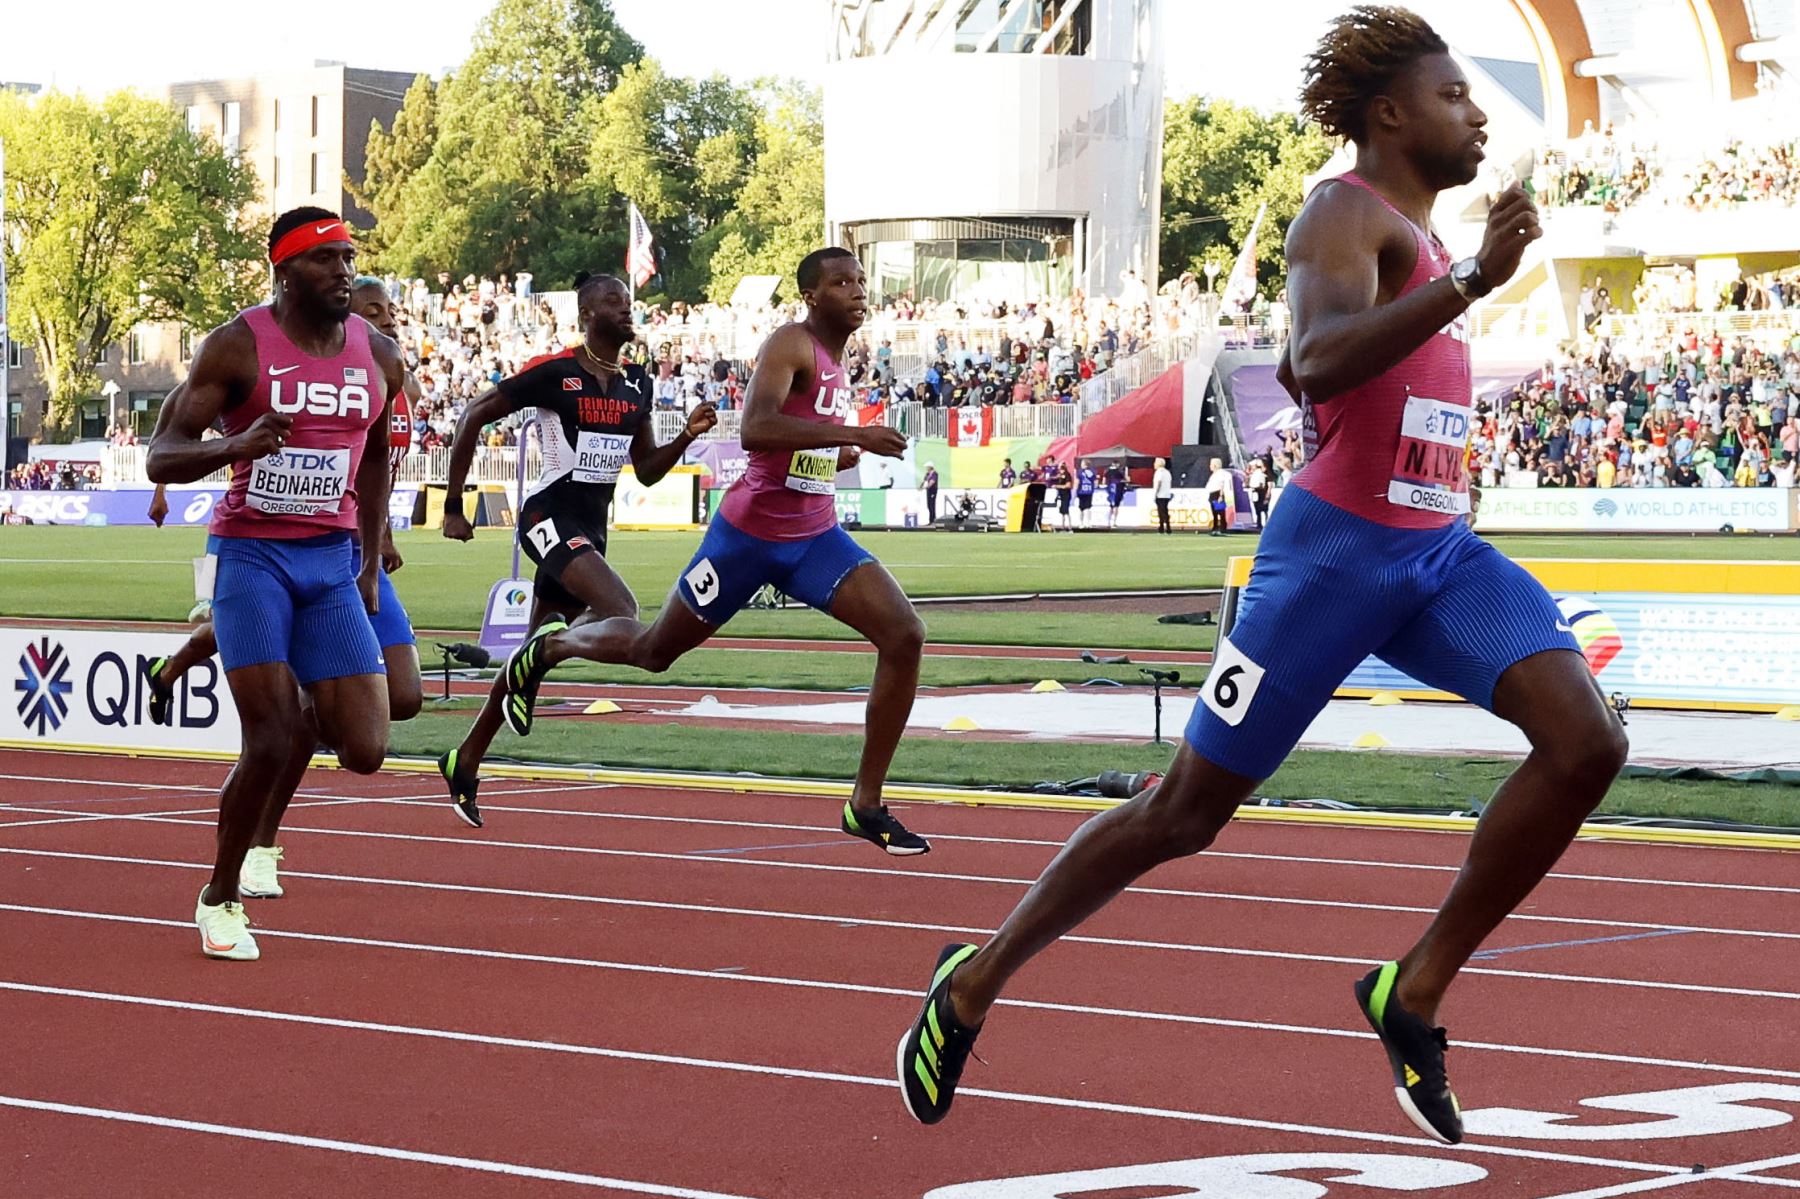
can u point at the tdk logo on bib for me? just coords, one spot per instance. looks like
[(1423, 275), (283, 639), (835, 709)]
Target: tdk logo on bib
[(320, 399), (329, 462)]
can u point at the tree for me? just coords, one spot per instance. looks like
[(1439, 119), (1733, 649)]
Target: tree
[(393, 157), (503, 188), (780, 212), (678, 148), (1221, 162), (116, 214)]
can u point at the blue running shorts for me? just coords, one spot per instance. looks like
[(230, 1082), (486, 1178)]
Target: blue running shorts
[(1330, 588), (392, 626), (731, 566), (294, 602)]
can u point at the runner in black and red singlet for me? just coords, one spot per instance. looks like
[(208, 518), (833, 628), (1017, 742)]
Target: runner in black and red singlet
[(300, 390), (1369, 552), (778, 525), (593, 417)]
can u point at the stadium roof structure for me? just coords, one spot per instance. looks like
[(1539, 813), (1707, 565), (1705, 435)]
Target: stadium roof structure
[(1680, 53)]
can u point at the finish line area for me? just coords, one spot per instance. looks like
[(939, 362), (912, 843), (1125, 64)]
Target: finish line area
[(627, 989)]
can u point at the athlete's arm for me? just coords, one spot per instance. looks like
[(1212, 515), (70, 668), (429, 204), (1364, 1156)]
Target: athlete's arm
[(650, 462), (1344, 334), (223, 373), (486, 408), (787, 355)]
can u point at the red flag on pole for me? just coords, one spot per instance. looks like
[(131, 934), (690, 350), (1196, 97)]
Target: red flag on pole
[(973, 425)]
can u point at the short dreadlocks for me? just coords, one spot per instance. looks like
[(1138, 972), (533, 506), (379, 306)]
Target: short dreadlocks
[(1357, 60)]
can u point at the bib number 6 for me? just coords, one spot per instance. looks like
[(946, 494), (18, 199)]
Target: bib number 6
[(1232, 685)]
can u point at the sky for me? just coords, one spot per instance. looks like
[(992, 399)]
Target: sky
[(1210, 48)]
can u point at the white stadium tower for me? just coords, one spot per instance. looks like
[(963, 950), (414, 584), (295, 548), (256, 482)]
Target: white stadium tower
[(1010, 148)]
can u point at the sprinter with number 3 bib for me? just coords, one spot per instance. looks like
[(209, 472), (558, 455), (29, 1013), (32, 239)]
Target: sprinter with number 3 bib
[(593, 416), (778, 526)]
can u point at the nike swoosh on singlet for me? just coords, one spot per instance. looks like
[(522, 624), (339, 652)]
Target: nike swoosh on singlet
[(827, 378), (284, 370)]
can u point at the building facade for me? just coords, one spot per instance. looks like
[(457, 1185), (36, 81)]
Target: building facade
[(304, 132), (999, 149)]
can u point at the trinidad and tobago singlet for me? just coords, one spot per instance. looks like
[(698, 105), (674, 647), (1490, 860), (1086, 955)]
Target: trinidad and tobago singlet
[(790, 495), (587, 430), (306, 488), (1393, 449)]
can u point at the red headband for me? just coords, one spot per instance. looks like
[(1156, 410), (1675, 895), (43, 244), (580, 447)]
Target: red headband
[(299, 241)]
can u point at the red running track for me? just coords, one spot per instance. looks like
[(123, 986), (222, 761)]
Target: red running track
[(616, 991)]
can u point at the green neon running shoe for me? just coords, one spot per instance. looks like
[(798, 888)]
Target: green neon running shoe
[(525, 669), (1416, 1052), (879, 828), (932, 1054), (462, 789)]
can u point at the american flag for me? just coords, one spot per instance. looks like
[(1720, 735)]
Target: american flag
[(640, 258)]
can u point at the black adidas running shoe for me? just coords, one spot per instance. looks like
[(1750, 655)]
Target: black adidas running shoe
[(931, 1056), (462, 790), (878, 827), (525, 669), (162, 695), (1416, 1052)]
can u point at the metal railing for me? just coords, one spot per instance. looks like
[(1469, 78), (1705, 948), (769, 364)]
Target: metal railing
[(1658, 325), (1016, 420), (1529, 321)]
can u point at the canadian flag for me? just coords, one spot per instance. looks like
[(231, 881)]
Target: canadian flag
[(972, 425)]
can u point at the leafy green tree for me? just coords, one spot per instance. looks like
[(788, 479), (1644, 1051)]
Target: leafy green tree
[(116, 214), (1222, 161), (394, 156), (780, 212), (503, 187)]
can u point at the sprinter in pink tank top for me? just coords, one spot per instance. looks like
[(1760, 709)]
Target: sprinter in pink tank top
[(1367, 554), (301, 392), (778, 527)]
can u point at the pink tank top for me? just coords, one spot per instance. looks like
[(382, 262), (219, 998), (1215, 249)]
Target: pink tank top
[(1394, 450), (790, 495), (306, 488)]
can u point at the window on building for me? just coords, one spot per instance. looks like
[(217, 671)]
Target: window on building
[(134, 353), (93, 421), (276, 179), (15, 355), (231, 124), (144, 409), (315, 119), (314, 185), (275, 117), (103, 355), (187, 344), (15, 415), (196, 118)]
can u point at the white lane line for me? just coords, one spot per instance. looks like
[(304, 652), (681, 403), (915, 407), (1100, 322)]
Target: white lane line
[(361, 1149), (1175, 892), (1745, 1172), (1050, 844), (873, 989), (81, 782), (664, 1059), (102, 817)]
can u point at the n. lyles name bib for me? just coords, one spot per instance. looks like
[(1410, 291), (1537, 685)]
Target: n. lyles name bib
[(1430, 464)]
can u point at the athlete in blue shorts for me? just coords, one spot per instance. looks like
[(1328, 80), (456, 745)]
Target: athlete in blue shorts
[(300, 390), (1368, 552), (778, 526)]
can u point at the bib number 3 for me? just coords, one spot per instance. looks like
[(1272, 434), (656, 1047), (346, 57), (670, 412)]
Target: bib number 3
[(1232, 685)]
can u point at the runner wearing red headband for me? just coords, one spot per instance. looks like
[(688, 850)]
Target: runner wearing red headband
[(301, 392)]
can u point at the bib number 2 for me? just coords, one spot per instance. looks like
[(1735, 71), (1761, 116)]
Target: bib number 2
[(543, 536)]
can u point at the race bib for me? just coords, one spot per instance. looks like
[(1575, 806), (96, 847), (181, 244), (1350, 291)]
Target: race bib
[(599, 457), (1430, 466), (814, 472), (300, 482)]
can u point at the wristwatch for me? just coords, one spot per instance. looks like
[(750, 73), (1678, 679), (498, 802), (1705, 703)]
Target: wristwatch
[(1468, 280)]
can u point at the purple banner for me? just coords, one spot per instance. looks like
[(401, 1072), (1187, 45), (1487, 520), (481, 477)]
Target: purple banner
[(725, 462), (132, 506), (1264, 409)]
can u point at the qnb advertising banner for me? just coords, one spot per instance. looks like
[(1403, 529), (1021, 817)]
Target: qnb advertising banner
[(131, 506), (79, 688), (1635, 510)]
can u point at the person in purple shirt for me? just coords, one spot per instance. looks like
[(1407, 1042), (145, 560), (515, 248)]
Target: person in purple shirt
[(1008, 476), (1086, 481)]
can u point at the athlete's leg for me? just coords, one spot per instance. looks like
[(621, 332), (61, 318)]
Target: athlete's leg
[(200, 645), (268, 704), (476, 742), (1494, 636), (352, 712), (627, 641), (1179, 816), (872, 603), (405, 688)]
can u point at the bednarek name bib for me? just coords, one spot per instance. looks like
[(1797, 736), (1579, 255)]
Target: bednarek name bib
[(299, 482)]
